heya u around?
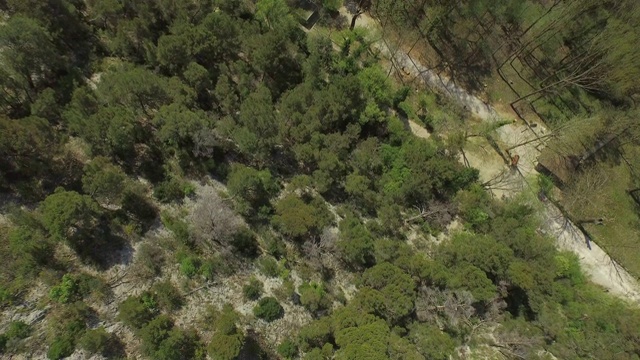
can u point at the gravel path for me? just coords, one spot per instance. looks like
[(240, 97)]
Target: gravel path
[(600, 267)]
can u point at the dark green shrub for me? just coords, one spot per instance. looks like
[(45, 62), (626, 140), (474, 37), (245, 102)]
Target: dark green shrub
[(253, 290), (91, 285), (3, 342), (154, 333), (244, 242), (178, 345), (288, 349), (275, 246), (314, 297), (268, 309), (135, 312), (61, 347), (18, 330), (225, 347), (167, 296), (95, 341), (269, 266), (169, 190)]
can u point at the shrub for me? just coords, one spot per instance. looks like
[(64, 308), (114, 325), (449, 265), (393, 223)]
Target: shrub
[(269, 266), (189, 266), (286, 291), (135, 312), (18, 330), (275, 246), (154, 333), (245, 243), (3, 342), (288, 349), (91, 285), (268, 309), (253, 289), (314, 297), (178, 345), (61, 347), (66, 291), (169, 190), (225, 347), (167, 296), (95, 341), (149, 260), (179, 228)]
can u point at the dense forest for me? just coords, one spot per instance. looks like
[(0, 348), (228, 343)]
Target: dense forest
[(209, 179)]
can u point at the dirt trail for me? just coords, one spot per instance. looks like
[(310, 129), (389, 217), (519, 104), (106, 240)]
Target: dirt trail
[(600, 267)]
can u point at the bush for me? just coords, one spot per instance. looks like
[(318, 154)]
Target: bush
[(91, 285), (245, 243), (95, 341), (179, 228), (149, 261), (3, 343), (18, 330), (268, 309), (314, 297), (269, 266), (189, 266), (178, 345), (61, 347), (275, 246), (288, 349), (169, 190), (225, 347), (135, 312), (167, 296), (154, 333), (66, 291), (253, 289)]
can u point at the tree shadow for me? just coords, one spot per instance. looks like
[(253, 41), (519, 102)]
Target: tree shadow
[(105, 252)]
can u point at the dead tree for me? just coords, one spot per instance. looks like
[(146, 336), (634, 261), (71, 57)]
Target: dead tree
[(213, 220)]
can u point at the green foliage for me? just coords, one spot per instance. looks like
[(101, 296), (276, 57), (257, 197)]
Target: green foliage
[(314, 297), (268, 309), (95, 341), (103, 181), (252, 290), (154, 333), (297, 216), (356, 243), (69, 216), (27, 148), (18, 330), (169, 190), (227, 341), (395, 287), (431, 342), (178, 227), (244, 242), (135, 312), (269, 266), (225, 347), (61, 347), (167, 296), (288, 349), (253, 189), (189, 266), (66, 291)]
